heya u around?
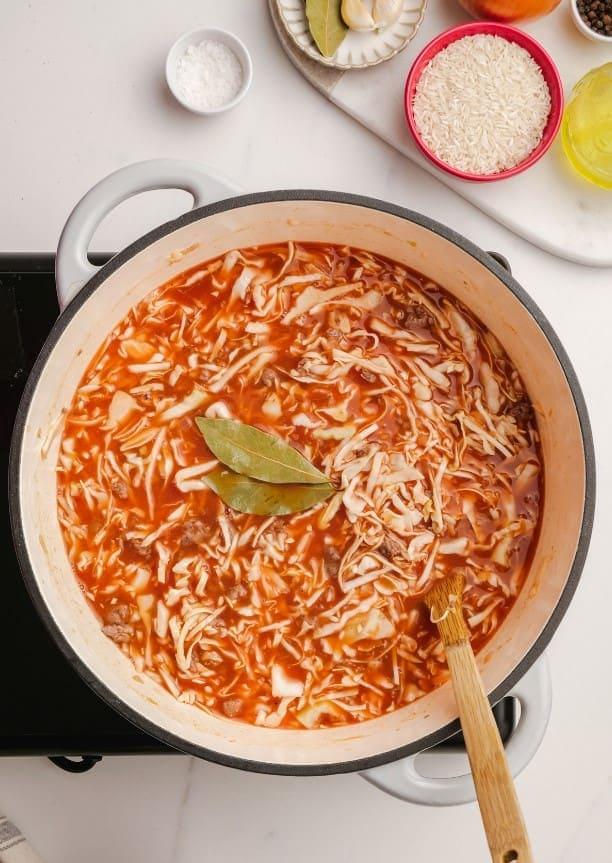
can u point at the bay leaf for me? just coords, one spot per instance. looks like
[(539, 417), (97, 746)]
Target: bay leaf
[(247, 450), (326, 24), (246, 494)]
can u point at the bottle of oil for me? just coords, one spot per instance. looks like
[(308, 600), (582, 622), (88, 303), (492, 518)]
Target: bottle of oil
[(587, 126)]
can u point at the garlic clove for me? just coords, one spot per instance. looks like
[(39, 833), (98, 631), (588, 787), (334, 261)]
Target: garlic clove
[(356, 15), (386, 12)]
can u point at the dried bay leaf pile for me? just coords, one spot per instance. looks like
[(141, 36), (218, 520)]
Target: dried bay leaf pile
[(260, 473)]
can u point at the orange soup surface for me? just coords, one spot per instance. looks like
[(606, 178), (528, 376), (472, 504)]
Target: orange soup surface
[(387, 385)]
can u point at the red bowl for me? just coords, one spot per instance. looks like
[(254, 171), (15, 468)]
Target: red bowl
[(542, 58)]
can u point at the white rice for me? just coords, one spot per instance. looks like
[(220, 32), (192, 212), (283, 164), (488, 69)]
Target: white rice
[(481, 104)]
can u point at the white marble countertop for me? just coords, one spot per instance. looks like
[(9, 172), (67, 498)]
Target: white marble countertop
[(82, 94)]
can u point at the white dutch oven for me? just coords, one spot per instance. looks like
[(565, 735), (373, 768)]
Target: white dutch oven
[(95, 300)]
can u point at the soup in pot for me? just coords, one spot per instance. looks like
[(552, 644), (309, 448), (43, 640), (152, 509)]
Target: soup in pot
[(419, 443)]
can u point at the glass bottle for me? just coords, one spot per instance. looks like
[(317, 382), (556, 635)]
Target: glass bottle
[(586, 130)]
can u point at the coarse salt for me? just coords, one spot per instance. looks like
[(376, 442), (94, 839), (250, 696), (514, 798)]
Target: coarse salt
[(208, 75), (481, 104)]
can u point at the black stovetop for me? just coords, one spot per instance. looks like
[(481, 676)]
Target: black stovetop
[(46, 708)]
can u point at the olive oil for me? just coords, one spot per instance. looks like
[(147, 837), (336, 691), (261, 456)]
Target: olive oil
[(587, 126)]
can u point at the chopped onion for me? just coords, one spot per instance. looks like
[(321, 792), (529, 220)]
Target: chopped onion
[(310, 715), (284, 686), (122, 407), (372, 625), (192, 402)]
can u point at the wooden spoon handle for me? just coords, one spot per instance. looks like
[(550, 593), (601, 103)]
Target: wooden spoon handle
[(499, 805)]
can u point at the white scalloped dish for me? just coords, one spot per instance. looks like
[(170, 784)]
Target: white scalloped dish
[(358, 50)]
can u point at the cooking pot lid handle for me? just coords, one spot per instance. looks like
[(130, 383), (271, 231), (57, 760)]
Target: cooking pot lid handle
[(72, 267), (403, 780)]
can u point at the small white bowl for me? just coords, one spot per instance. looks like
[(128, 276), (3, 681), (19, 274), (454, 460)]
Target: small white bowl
[(194, 37), (584, 27)]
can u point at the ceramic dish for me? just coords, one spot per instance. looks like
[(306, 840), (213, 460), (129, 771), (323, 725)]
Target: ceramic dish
[(194, 37), (542, 58), (584, 27), (358, 50)]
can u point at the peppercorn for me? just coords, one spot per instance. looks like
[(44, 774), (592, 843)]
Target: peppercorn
[(597, 14)]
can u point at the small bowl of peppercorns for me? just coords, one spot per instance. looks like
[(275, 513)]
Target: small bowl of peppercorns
[(593, 18)]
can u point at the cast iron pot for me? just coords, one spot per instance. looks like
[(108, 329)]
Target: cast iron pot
[(94, 300)]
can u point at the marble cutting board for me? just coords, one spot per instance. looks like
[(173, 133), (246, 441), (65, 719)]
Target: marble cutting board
[(549, 204)]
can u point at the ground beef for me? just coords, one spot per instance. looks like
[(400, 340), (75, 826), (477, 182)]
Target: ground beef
[(135, 545), (119, 489), (521, 410), (232, 707), (413, 316), (268, 378), (195, 532), (391, 546), (118, 614), (121, 633), (331, 561)]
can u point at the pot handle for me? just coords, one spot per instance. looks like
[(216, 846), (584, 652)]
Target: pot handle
[(72, 267), (402, 779)]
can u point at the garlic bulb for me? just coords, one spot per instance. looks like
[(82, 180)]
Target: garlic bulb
[(386, 12), (356, 15)]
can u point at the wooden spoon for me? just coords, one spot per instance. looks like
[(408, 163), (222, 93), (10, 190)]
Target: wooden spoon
[(499, 806)]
